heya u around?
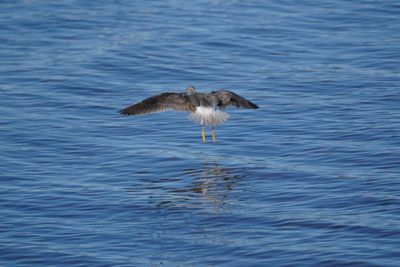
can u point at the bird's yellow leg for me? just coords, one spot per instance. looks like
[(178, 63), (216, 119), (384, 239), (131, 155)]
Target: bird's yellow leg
[(203, 135), (213, 135)]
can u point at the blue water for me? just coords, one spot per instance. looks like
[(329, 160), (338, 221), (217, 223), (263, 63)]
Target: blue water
[(312, 178)]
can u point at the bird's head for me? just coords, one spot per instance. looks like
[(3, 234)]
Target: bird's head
[(190, 90)]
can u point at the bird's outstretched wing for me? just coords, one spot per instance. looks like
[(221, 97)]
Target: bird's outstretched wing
[(228, 98), (161, 102)]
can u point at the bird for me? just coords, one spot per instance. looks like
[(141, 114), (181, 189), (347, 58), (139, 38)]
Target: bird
[(207, 109)]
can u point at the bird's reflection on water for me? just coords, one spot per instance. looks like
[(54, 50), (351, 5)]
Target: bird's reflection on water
[(213, 178), (210, 183)]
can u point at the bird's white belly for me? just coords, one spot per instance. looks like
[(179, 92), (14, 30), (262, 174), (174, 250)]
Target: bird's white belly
[(208, 116)]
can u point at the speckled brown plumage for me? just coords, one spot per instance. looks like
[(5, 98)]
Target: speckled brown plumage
[(204, 108), (188, 102)]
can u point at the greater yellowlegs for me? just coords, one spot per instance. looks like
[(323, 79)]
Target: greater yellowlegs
[(205, 108)]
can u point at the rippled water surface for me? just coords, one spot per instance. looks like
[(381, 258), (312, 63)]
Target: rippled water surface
[(309, 179)]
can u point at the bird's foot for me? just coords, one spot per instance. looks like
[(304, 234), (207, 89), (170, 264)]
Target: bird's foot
[(203, 135), (213, 136)]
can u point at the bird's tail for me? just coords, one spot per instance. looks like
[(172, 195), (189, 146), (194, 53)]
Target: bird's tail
[(208, 116)]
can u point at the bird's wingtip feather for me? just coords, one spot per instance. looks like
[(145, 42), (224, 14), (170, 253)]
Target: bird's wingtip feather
[(123, 112)]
